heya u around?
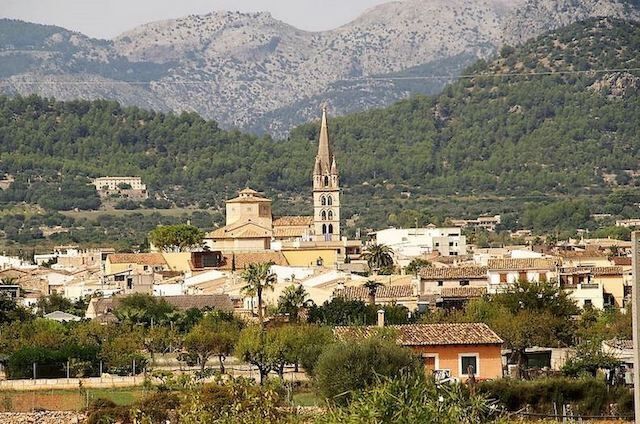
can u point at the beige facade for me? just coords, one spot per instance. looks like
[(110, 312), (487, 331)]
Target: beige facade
[(112, 183), (249, 206), (249, 225), (326, 189), (137, 262), (598, 287)]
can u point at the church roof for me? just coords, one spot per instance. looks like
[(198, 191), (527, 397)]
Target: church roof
[(241, 230), (293, 221), (248, 196), (325, 157), (243, 260)]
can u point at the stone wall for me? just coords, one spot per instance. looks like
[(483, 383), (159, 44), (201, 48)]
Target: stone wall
[(70, 383), (42, 417)]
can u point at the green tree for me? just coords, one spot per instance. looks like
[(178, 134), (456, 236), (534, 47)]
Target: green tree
[(212, 337), (351, 365), (258, 278), (159, 339), (416, 265), (292, 299), (589, 358), (527, 314), (372, 287), (121, 350), (378, 256), (252, 348), (144, 309), (10, 311), (180, 237)]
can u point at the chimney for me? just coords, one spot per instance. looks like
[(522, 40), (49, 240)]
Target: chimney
[(381, 318)]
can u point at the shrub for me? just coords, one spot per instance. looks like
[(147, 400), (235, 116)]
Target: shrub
[(106, 411), (157, 406), (235, 401), (352, 365), (412, 398), (589, 396)]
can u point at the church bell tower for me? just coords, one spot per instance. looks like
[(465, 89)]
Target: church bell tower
[(326, 189)]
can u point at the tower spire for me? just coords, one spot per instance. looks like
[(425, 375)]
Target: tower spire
[(324, 148)]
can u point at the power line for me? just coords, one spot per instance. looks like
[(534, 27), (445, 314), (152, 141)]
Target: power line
[(363, 79)]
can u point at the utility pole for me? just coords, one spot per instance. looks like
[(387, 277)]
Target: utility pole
[(635, 288)]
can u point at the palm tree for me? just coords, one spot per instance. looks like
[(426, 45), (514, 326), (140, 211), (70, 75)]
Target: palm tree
[(9, 281), (373, 287), (258, 277), (378, 256), (292, 299)]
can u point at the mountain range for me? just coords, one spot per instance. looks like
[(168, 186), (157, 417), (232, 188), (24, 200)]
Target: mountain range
[(253, 72), (555, 118)]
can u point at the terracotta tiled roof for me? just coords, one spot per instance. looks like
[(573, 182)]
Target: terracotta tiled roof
[(293, 221), (241, 230), (621, 260), (242, 260), (431, 299), (595, 270), (453, 273), (431, 334), (466, 292), (620, 344), (385, 292), (452, 259), (137, 258), (289, 232), (523, 263), (249, 196), (588, 253)]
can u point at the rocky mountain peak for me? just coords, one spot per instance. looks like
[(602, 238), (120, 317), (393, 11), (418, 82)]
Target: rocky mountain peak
[(250, 70)]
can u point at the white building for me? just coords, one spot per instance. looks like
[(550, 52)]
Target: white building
[(489, 223), (503, 272), (114, 183), (7, 262), (414, 242), (629, 223)]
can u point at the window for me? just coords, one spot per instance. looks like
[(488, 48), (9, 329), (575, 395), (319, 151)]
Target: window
[(323, 201), (119, 278), (522, 276), (464, 283), (440, 283), (324, 228), (469, 364), (450, 244), (330, 215), (588, 303), (326, 181), (329, 200), (503, 278), (146, 267), (330, 228), (129, 283), (431, 362), (324, 215)]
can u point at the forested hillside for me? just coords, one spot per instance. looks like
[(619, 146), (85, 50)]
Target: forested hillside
[(558, 116), (517, 125)]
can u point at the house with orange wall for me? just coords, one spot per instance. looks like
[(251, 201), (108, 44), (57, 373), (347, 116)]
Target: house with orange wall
[(458, 349)]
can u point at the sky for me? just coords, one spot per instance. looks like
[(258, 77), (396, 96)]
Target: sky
[(108, 18)]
